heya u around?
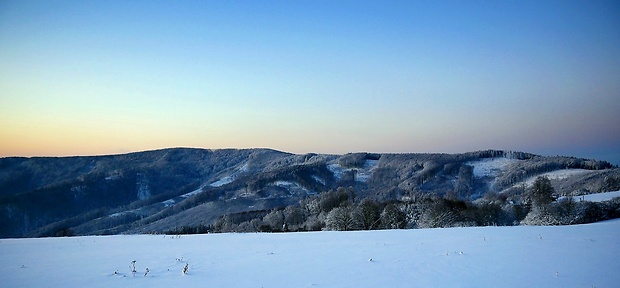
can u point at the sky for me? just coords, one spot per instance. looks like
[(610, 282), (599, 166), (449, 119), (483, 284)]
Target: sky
[(107, 77)]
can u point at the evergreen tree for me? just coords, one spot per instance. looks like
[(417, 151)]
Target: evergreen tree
[(542, 192)]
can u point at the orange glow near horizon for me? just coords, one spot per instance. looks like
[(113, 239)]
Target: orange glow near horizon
[(83, 79)]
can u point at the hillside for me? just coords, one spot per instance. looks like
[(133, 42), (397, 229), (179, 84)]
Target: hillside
[(524, 256), (169, 189)]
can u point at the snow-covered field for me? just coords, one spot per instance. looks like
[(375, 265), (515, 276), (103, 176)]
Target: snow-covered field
[(560, 256), (598, 197)]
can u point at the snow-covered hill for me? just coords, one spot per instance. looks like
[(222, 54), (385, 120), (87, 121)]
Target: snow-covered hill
[(164, 190), (523, 256)]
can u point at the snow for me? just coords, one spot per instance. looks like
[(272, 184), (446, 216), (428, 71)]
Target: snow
[(598, 197), (292, 187), (336, 169), (285, 183), (169, 202), (491, 167), (522, 256), (558, 175), (364, 174), (222, 182), (230, 178), (165, 203), (361, 175), (117, 214), (186, 195), (318, 179)]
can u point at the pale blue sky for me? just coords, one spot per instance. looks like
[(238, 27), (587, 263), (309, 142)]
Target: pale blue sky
[(98, 77)]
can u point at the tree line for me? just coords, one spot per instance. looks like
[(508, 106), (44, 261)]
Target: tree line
[(341, 210)]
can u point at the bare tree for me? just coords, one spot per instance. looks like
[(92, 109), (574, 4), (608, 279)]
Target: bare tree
[(341, 219), (392, 217), (368, 214)]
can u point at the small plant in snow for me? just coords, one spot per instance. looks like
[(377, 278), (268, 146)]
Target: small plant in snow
[(132, 266)]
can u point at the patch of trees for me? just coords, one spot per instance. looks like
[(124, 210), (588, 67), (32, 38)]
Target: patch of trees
[(545, 211), (357, 160), (539, 165), (340, 210), (35, 209), (610, 183), (464, 186), (200, 229), (303, 174), (61, 228)]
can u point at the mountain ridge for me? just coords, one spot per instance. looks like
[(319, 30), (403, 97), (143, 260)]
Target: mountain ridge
[(168, 188)]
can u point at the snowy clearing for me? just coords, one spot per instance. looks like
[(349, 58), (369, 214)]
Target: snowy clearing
[(558, 175), (361, 174), (491, 167), (222, 182), (168, 202), (522, 256), (292, 187), (230, 178), (197, 191), (319, 179), (598, 197)]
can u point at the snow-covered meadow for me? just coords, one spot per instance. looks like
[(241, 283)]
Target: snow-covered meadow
[(522, 256)]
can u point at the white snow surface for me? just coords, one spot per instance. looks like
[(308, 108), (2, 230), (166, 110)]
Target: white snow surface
[(336, 169), (230, 178), (361, 175), (169, 202), (222, 182), (522, 256), (186, 195), (491, 166), (558, 175), (598, 197), (318, 179), (292, 187)]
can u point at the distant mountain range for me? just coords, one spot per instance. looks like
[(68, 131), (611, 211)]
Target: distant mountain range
[(162, 190)]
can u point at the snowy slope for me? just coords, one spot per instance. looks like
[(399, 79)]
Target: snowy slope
[(558, 175), (230, 178), (361, 174), (491, 167), (523, 256), (598, 197)]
